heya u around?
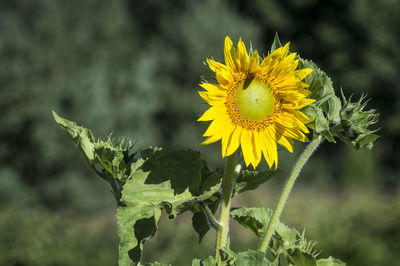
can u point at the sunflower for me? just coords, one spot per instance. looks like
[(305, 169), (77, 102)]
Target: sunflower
[(255, 103)]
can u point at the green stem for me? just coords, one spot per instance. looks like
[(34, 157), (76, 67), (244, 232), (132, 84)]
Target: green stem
[(229, 179), (212, 222), (312, 146)]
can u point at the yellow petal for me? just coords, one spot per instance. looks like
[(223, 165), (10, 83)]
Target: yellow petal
[(213, 113), (291, 133), (228, 130), (223, 73), (229, 53), (211, 139), (253, 65), (214, 88), (224, 77), (247, 147), (268, 147), (299, 116), (256, 148), (284, 51), (297, 104), (293, 95), (290, 121), (270, 133), (287, 143), (243, 56), (234, 141), (212, 99), (302, 73), (217, 126)]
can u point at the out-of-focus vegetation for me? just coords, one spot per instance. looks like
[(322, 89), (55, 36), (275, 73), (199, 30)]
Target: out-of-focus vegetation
[(132, 68)]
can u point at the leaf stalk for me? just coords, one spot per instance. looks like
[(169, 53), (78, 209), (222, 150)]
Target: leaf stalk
[(211, 220)]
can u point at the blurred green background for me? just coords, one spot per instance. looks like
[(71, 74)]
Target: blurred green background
[(133, 68)]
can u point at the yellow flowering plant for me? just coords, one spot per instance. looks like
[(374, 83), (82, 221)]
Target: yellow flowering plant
[(255, 104)]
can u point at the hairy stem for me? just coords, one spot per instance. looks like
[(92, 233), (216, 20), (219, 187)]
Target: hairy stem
[(312, 146), (229, 179), (212, 222)]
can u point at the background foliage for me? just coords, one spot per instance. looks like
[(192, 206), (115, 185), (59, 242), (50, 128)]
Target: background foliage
[(132, 68)]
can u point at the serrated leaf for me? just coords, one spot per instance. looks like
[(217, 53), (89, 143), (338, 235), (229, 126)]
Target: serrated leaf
[(159, 183), (250, 180), (157, 264), (365, 141), (209, 261), (330, 262), (300, 258), (141, 210), (283, 260), (82, 137), (254, 219), (249, 257), (196, 262), (276, 43), (182, 168), (110, 161), (253, 257)]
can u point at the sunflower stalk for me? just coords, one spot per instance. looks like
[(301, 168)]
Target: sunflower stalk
[(308, 151), (231, 173)]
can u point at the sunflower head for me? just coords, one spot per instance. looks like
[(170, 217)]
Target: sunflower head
[(256, 103)]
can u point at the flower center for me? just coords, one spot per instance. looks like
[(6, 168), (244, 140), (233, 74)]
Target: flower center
[(254, 99)]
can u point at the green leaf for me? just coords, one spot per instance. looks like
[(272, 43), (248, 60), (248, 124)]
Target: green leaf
[(182, 168), (250, 180), (108, 159), (200, 224), (330, 262), (301, 258), (164, 180), (253, 257), (82, 137), (141, 210), (209, 261), (249, 257), (276, 43), (254, 219), (196, 262), (157, 264)]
